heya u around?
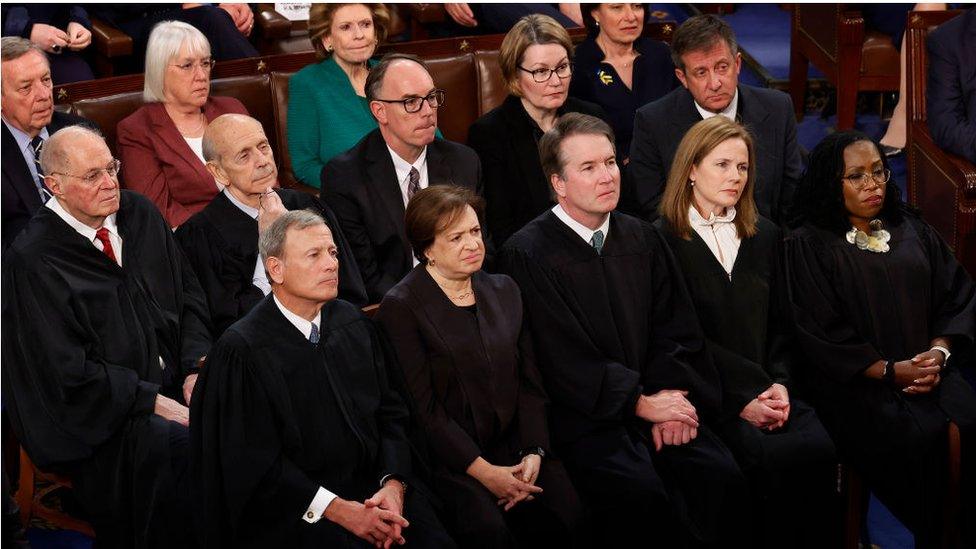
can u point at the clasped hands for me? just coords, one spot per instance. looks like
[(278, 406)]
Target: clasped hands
[(921, 373), (378, 520), (674, 417), (770, 410), (510, 485)]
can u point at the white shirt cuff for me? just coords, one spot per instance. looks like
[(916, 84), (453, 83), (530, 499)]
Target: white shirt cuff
[(319, 503)]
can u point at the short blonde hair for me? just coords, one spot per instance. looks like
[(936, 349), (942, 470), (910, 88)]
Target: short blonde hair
[(697, 143), (165, 42), (320, 17), (528, 31)]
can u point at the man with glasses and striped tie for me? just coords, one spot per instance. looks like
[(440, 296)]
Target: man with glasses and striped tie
[(104, 328), (29, 118), (369, 185)]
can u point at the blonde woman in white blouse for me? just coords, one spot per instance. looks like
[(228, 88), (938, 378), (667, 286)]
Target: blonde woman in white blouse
[(731, 261)]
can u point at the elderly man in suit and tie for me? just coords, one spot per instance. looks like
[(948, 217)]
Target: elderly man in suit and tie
[(707, 62), (29, 119), (369, 185)]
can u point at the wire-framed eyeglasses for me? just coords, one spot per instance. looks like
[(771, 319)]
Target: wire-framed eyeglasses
[(564, 70), (861, 180), (94, 176), (413, 104)]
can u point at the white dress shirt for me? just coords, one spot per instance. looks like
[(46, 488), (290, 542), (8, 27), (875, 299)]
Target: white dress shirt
[(402, 168), (729, 111), (260, 276), (88, 232), (583, 231), (323, 498), (23, 143), (719, 234)]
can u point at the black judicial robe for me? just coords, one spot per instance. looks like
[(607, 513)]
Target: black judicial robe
[(615, 325), (82, 339), (275, 417), (854, 307), (221, 242)]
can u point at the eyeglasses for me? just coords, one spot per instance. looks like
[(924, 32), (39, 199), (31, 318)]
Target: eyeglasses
[(94, 177), (190, 66), (544, 75), (413, 104), (861, 180)]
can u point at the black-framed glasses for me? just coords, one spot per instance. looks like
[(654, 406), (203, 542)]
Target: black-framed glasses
[(861, 180), (413, 104), (564, 70), (94, 176)]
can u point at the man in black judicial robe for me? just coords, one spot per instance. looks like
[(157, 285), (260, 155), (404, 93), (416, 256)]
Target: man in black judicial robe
[(221, 241), (622, 356), (102, 317), (298, 439)]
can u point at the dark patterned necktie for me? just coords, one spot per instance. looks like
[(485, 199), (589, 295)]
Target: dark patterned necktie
[(36, 145), (597, 241), (313, 336), (414, 185)]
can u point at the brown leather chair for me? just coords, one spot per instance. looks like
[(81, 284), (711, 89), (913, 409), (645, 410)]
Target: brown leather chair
[(940, 183), (833, 38)]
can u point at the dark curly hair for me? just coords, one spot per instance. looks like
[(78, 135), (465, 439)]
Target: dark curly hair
[(819, 198)]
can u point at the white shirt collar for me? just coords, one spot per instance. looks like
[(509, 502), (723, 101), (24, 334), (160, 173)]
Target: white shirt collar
[(303, 326), (729, 111), (583, 231), (402, 167), (253, 212), (81, 228), (696, 218), (23, 140)]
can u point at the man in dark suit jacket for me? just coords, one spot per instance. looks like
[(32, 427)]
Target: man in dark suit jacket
[(950, 96), (28, 113), (369, 185), (707, 62)]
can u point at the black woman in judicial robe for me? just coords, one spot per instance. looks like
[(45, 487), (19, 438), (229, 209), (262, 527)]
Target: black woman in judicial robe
[(221, 242), (87, 346), (868, 299), (732, 262), (281, 416), (468, 364)]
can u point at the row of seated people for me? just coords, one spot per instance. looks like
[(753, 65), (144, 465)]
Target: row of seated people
[(608, 375)]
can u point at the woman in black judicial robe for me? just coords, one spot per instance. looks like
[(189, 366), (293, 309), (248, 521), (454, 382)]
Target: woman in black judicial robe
[(221, 242), (467, 360), (880, 303), (731, 260), (507, 137)]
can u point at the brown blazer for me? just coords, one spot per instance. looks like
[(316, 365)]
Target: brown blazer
[(158, 163), (472, 376)]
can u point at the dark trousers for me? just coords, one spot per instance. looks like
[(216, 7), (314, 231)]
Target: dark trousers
[(693, 495), (791, 473), (226, 42)]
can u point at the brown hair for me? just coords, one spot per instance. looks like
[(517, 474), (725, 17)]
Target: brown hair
[(700, 33), (320, 23), (433, 210), (568, 125), (701, 140), (528, 31)]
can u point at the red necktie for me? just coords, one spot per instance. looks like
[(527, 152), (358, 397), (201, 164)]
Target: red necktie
[(102, 236)]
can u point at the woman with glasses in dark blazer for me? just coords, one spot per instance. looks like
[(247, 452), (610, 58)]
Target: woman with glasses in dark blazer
[(468, 365)]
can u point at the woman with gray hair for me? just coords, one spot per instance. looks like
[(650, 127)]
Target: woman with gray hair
[(161, 144)]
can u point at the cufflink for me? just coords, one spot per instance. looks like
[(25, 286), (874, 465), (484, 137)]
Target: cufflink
[(310, 515)]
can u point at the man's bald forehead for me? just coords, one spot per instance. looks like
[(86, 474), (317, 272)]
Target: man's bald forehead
[(221, 128)]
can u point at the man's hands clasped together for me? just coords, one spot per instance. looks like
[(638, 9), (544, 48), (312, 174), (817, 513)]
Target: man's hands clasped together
[(674, 417)]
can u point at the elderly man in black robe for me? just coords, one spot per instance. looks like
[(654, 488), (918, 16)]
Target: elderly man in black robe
[(622, 356), (103, 323), (221, 241), (298, 438)]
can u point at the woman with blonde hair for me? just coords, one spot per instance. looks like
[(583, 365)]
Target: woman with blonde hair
[(731, 260), (327, 108)]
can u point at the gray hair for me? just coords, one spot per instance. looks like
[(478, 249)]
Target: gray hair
[(54, 154), (700, 33), (164, 45), (15, 47), (271, 243)]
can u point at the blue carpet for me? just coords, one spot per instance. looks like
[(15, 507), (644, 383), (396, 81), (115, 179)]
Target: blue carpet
[(57, 539), (763, 30)]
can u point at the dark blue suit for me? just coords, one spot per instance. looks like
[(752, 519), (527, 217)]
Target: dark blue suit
[(950, 95)]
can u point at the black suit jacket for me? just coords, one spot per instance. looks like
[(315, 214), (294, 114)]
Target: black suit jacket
[(472, 376), (660, 126), (950, 95), (507, 141), (20, 197), (361, 187)]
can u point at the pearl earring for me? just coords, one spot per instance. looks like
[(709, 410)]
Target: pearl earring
[(430, 262)]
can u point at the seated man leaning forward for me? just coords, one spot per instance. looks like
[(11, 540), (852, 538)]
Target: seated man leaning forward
[(221, 241), (102, 317), (622, 356), (298, 438)]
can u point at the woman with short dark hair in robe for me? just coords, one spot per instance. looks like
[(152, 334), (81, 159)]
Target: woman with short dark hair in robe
[(731, 260), (883, 311), (468, 364)]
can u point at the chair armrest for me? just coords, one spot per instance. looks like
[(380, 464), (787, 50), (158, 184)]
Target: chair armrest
[(110, 41), (272, 25)]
